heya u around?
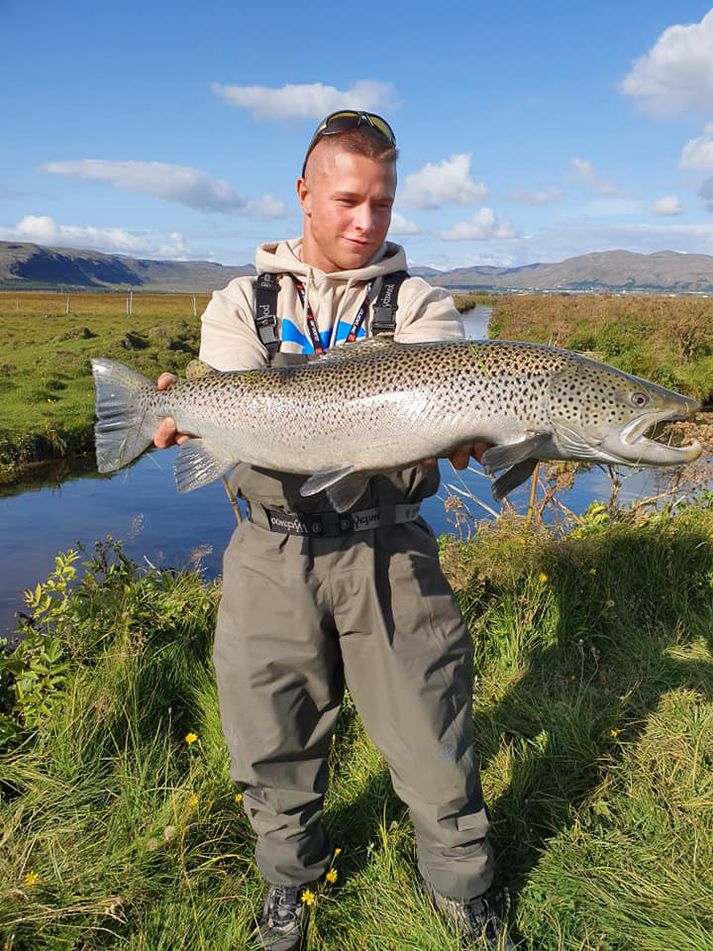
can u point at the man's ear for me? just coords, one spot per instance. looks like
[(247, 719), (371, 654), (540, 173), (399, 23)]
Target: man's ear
[(304, 196)]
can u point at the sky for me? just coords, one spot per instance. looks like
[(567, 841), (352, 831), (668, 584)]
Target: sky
[(527, 132)]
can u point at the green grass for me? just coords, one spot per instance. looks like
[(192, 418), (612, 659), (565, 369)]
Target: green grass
[(593, 718), (46, 386)]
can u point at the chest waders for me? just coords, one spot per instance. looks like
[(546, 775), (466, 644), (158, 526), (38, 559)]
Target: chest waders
[(305, 613)]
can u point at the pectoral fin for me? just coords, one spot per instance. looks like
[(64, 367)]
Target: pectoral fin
[(500, 457), (198, 463), (344, 487), (511, 479)]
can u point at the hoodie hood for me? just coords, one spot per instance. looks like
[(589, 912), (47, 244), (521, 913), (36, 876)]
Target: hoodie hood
[(286, 257)]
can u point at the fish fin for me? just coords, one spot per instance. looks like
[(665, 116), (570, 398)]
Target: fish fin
[(511, 479), (499, 457), (321, 481), (123, 429), (343, 486), (197, 369), (343, 495), (346, 350), (198, 463)]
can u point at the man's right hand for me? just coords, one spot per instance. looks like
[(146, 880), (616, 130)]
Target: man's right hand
[(167, 435)]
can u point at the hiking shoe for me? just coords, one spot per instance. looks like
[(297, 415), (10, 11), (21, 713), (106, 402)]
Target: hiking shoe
[(480, 921), (280, 924)]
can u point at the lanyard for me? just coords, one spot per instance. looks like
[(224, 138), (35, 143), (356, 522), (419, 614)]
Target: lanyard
[(312, 323)]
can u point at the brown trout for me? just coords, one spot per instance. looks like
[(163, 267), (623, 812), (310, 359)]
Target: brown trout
[(380, 406)]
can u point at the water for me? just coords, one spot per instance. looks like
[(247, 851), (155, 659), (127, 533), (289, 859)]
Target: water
[(158, 526)]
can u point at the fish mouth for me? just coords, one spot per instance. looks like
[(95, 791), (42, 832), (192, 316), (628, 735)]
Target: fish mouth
[(640, 446)]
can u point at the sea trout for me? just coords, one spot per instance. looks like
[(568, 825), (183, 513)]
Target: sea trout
[(381, 406)]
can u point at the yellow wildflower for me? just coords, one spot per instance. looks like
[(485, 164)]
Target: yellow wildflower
[(238, 797), (193, 800), (332, 876), (190, 738), (308, 897), (32, 878), (337, 852), (592, 571), (614, 732), (543, 577)]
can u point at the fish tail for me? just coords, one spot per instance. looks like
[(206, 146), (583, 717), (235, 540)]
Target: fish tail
[(123, 429)]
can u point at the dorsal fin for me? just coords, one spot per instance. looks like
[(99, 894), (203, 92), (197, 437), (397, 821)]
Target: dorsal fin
[(197, 369)]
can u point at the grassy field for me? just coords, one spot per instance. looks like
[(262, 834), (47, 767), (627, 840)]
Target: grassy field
[(666, 339), (45, 377), (593, 718)]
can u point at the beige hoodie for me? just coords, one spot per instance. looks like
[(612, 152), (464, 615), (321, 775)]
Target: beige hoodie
[(229, 341)]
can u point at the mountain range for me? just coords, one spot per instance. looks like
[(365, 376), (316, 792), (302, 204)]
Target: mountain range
[(25, 266)]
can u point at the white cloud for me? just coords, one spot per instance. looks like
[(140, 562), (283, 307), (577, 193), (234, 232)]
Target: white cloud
[(268, 206), (582, 171), (172, 183), (483, 226), (676, 75), (543, 197), (668, 206), (403, 225), (447, 182), (308, 100), (42, 229), (697, 154)]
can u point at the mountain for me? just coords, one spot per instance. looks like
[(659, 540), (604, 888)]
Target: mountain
[(663, 271), (31, 266)]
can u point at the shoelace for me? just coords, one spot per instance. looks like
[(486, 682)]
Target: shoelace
[(282, 905)]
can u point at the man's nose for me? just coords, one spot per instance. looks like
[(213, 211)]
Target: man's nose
[(364, 218)]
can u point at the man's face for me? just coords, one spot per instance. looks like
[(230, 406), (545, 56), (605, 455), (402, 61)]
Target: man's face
[(347, 200)]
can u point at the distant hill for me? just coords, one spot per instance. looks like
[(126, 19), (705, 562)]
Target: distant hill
[(663, 272), (31, 266)]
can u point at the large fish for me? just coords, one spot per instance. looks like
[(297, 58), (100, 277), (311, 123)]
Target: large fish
[(380, 406)]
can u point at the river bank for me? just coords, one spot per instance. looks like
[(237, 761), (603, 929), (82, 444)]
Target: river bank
[(593, 719)]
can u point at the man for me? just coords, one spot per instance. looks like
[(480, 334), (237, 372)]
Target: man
[(308, 606)]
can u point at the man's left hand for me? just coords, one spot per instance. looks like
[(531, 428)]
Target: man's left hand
[(460, 458)]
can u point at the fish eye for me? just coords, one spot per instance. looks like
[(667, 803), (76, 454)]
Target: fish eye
[(640, 399)]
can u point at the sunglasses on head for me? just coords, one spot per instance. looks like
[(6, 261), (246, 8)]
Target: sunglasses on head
[(348, 119)]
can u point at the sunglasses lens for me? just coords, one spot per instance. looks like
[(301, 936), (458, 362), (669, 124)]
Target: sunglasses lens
[(343, 121)]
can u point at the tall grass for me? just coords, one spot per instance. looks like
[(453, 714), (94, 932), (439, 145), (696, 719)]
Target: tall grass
[(666, 339), (593, 716)]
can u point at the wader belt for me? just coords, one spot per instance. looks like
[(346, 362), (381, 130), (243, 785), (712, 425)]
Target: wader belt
[(331, 524)]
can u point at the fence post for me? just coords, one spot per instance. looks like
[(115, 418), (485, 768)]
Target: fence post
[(194, 306), (68, 303)]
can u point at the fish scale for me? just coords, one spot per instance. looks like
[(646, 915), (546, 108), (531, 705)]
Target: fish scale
[(381, 406)]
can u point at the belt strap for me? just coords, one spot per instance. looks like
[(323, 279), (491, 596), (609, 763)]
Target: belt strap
[(331, 524)]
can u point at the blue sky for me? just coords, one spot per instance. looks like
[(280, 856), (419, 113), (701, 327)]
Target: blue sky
[(527, 132)]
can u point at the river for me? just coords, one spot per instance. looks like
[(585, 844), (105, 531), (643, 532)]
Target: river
[(140, 506)]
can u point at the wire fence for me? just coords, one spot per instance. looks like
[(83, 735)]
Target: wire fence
[(51, 304)]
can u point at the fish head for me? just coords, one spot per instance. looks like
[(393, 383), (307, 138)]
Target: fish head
[(602, 414)]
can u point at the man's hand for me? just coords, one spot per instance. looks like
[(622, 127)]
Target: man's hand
[(461, 456), (167, 435)]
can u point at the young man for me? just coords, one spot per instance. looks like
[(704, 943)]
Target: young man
[(311, 602)]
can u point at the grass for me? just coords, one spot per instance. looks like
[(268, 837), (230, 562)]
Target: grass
[(45, 375), (666, 339), (48, 396), (593, 719)]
